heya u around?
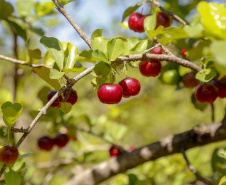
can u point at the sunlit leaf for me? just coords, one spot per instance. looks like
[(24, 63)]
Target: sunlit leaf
[(115, 47), (65, 107), (130, 10), (12, 178), (6, 9), (205, 75), (218, 50), (150, 22), (55, 74), (44, 8), (71, 54)]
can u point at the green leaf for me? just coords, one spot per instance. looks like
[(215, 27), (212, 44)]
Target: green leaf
[(18, 29), (130, 10), (71, 55), (85, 119), (132, 42), (218, 162), (223, 181), (218, 50), (197, 52), (96, 33), (55, 74), (55, 49), (25, 155), (64, 2), (48, 60), (132, 179), (101, 69), (12, 178), (6, 9), (65, 107), (117, 131), (150, 22), (140, 47), (198, 105), (99, 43), (194, 31), (223, 154), (24, 7), (153, 33), (11, 112), (99, 55), (115, 47), (44, 8), (33, 55), (205, 75), (44, 72), (19, 164)]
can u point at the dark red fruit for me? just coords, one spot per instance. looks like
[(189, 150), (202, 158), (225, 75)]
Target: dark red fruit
[(130, 86), (45, 143), (72, 98), (157, 50), (162, 19), (56, 103), (189, 80), (61, 140), (8, 154), (221, 89), (183, 51), (115, 151), (136, 22), (150, 68), (110, 93), (206, 93)]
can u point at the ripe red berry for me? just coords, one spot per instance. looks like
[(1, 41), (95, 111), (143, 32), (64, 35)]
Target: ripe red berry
[(131, 148), (157, 50), (45, 143), (56, 103), (8, 154), (221, 89), (162, 19), (110, 93), (114, 151), (206, 93), (183, 51), (136, 22), (61, 140), (72, 98), (189, 80), (150, 68), (130, 86)]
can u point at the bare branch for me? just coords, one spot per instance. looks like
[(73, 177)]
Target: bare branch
[(18, 130), (72, 22), (176, 17), (194, 171), (15, 61), (198, 136)]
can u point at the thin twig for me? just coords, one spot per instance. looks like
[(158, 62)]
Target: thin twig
[(194, 171), (176, 17), (212, 112), (72, 22), (18, 130)]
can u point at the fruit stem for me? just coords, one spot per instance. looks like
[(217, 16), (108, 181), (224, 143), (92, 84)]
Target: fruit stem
[(212, 110), (9, 128)]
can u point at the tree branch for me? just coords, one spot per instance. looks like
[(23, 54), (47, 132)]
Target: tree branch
[(72, 22), (176, 17), (198, 136), (194, 171)]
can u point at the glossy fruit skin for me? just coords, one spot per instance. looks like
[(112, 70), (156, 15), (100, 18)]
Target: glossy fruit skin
[(61, 140), (189, 80), (114, 151), (221, 89), (8, 154), (110, 93), (206, 93), (157, 50), (57, 102), (45, 143), (130, 86), (183, 51), (136, 22), (171, 77), (72, 98), (150, 68), (162, 19)]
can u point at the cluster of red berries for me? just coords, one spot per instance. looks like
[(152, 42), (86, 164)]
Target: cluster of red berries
[(8, 154), (47, 143), (136, 21), (71, 98)]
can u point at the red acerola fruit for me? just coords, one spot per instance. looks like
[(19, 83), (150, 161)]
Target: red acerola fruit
[(157, 50), (61, 140), (150, 68), (45, 143), (221, 89), (136, 22), (110, 93), (114, 151), (8, 154), (206, 93), (162, 19), (130, 86), (57, 102), (183, 52), (72, 98), (189, 80)]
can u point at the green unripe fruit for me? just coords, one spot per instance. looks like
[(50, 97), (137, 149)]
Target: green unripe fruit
[(171, 77)]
